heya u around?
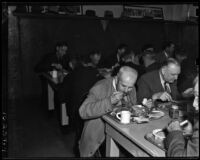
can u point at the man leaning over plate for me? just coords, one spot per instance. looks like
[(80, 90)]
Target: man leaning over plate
[(102, 97)]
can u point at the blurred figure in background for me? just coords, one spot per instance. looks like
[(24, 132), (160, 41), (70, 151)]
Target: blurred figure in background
[(75, 88), (115, 59), (188, 73), (130, 59), (180, 54), (94, 58), (58, 60), (148, 58), (167, 52)]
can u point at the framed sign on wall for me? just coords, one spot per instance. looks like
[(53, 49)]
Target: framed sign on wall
[(142, 12), (71, 10)]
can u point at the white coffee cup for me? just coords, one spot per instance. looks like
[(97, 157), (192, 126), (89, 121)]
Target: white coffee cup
[(124, 116), (54, 74)]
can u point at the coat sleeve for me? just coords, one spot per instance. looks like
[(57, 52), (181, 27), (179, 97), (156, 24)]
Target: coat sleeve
[(95, 105), (178, 147), (143, 90), (175, 144)]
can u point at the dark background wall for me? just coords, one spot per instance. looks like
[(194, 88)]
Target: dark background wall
[(37, 36)]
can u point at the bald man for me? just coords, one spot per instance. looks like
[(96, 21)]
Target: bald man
[(101, 98), (160, 84)]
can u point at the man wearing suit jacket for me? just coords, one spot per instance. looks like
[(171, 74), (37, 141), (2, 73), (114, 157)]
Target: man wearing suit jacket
[(160, 84), (168, 51), (102, 97)]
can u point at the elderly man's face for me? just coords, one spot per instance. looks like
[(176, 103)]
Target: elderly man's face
[(171, 72), (196, 99), (126, 83)]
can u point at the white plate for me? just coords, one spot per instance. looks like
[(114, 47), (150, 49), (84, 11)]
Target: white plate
[(156, 114)]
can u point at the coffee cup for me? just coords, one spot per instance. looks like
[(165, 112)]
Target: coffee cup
[(124, 116)]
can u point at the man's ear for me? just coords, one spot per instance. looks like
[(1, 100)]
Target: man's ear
[(163, 69)]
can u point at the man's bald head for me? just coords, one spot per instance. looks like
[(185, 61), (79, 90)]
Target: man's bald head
[(126, 78), (170, 70)]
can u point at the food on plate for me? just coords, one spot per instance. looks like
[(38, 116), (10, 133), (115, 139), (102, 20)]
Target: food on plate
[(139, 110), (159, 135)]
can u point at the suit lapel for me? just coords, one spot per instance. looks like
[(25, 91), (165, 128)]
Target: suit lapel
[(158, 81)]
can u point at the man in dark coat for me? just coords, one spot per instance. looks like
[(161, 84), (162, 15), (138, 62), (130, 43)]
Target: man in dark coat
[(160, 84)]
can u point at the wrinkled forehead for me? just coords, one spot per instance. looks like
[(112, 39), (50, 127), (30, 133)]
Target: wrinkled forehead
[(174, 69), (127, 79)]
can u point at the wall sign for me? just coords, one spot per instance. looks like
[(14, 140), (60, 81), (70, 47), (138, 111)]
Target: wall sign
[(142, 12)]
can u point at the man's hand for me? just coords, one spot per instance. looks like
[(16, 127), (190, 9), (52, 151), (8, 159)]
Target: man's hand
[(116, 97), (164, 96), (188, 129), (188, 92), (148, 103), (174, 126)]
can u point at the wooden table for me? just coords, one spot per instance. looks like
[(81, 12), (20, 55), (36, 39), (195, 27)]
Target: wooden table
[(131, 137), (51, 87)]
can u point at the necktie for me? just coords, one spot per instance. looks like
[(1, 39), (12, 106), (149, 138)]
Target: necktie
[(167, 89)]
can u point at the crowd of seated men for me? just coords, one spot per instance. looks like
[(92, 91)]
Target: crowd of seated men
[(89, 94)]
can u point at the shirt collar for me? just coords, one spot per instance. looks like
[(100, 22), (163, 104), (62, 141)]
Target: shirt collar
[(114, 84), (161, 79)]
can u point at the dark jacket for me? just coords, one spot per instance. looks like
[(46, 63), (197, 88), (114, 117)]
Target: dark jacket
[(77, 83), (187, 75), (150, 83), (161, 57), (153, 66), (110, 61)]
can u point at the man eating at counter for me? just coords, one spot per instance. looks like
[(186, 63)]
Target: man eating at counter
[(103, 96), (160, 84)]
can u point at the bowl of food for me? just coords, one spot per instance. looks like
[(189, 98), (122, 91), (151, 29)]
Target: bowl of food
[(159, 135)]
